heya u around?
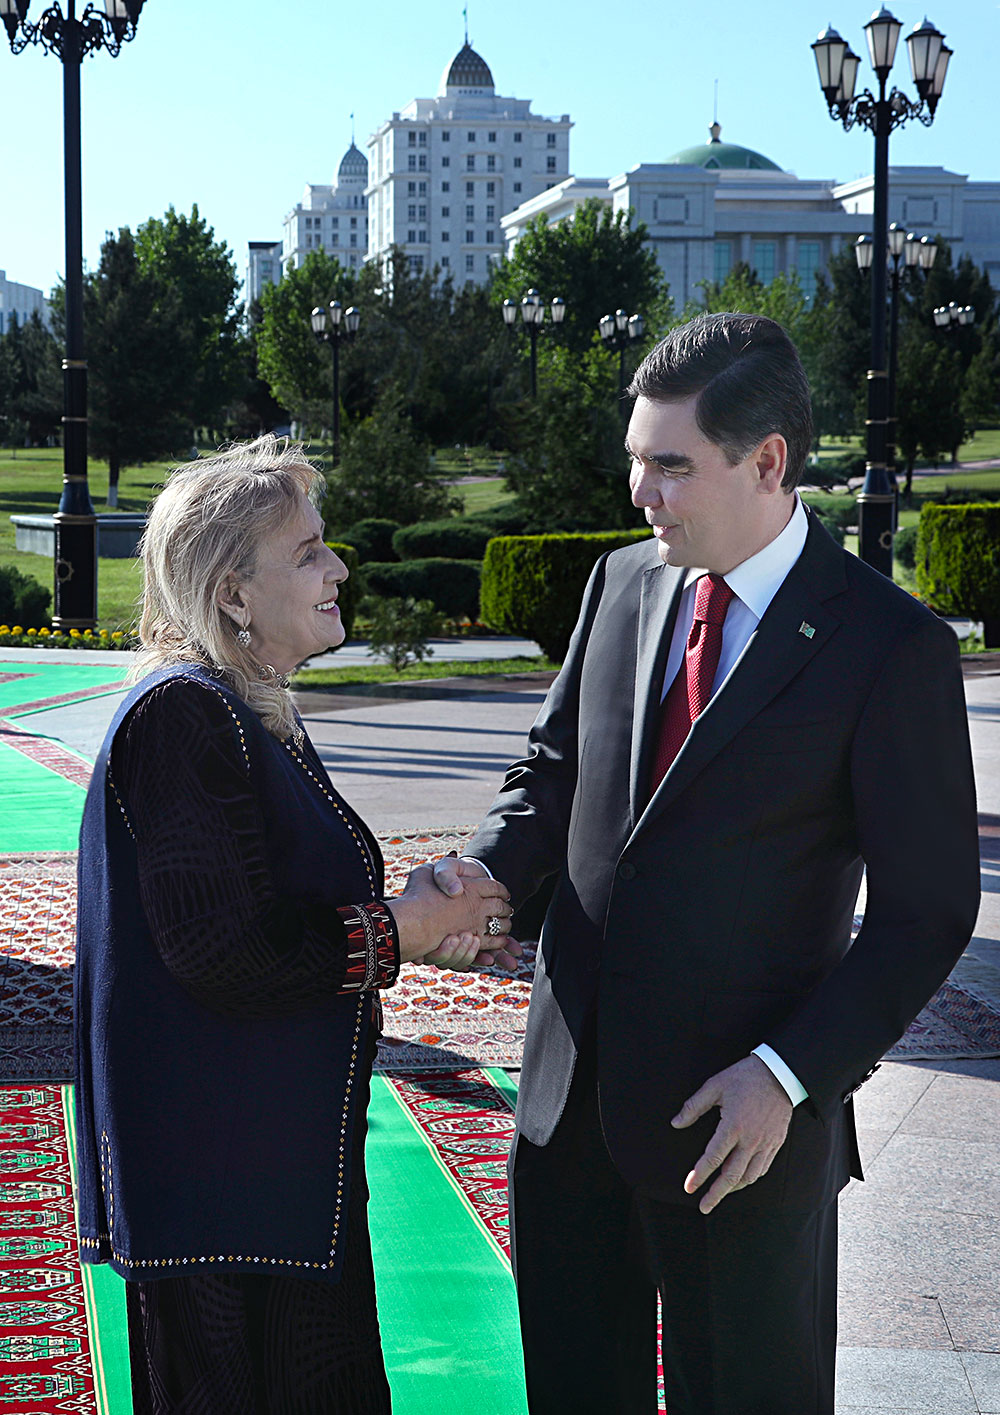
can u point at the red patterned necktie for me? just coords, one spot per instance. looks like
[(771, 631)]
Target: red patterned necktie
[(691, 691)]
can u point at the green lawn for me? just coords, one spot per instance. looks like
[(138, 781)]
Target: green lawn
[(31, 484), (313, 678)]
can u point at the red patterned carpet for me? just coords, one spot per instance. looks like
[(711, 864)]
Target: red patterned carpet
[(434, 1020)]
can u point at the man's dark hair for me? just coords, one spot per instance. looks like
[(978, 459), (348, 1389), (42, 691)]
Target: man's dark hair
[(748, 380)]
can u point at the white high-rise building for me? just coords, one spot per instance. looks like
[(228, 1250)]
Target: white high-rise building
[(19, 302), (263, 268), (331, 218), (444, 170)]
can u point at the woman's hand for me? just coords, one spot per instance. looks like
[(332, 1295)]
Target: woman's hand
[(453, 931)]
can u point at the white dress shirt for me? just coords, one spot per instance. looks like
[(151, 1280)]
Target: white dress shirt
[(754, 584)]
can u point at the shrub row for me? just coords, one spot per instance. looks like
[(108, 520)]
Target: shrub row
[(958, 563), (351, 589), (452, 585), (22, 599), (532, 585), (17, 637)]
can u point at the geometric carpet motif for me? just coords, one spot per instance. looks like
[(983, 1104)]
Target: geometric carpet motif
[(434, 1020), (45, 1352)]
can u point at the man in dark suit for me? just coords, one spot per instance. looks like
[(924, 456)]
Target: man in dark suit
[(747, 716)]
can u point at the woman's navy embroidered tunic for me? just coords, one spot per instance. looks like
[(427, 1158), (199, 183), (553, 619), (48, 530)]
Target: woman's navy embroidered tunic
[(229, 946)]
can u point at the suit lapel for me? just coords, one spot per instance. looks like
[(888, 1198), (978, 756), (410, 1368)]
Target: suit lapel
[(660, 595), (778, 650)]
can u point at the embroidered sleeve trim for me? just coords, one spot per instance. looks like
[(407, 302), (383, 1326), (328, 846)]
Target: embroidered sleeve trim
[(372, 947)]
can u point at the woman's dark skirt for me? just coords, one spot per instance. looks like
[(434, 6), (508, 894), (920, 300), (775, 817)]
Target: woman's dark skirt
[(247, 1344)]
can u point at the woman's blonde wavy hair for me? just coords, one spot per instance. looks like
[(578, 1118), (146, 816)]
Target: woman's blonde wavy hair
[(204, 532)]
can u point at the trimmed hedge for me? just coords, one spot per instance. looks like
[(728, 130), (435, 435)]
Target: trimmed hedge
[(372, 538), (455, 539), (904, 546), (533, 585), (835, 510), (23, 600), (451, 585), (958, 563), (350, 590)]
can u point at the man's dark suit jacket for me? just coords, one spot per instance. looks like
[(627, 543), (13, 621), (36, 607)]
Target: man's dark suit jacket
[(718, 915)]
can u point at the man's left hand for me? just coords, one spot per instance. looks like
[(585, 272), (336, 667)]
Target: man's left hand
[(754, 1115)]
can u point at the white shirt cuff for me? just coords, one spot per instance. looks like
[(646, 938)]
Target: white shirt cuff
[(783, 1074), (473, 861)]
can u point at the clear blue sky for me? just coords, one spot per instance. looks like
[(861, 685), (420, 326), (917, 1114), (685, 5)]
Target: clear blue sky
[(236, 104)]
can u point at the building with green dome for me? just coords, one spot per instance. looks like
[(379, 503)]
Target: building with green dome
[(716, 204)]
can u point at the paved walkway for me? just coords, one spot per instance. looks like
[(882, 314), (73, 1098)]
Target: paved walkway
[(920, 1239)]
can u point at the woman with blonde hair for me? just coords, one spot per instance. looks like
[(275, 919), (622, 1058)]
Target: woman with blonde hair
[(232, 944)]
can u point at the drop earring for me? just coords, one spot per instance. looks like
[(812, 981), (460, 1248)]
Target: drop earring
[(243, 636)]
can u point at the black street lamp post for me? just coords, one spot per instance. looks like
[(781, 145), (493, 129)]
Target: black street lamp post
[(915, 252), (71, 39), (618, 331), (532, 309), (330, 326), (838, 70)]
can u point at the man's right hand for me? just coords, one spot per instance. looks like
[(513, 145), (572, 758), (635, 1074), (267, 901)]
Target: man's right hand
[(449, 873)]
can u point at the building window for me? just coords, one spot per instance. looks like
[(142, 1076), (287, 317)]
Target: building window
[(470, 262), (422, 162), (411, 235), (354, 238), (354, 221), (517, 186), (470, 162), (491, 162), (470, 189), (422, 237), (446, 235), (411, 211), (491, 137), (446, 161), (550, 139), (411, 138), (411, 189), (764, 260), (446, 261), (422, 189), (411, 162), (490, 188), (471, 137), (470, 238), (517, 162), (470, 213), (517, 137), (489, 237), (446, 186), (334, 221), (446, 211), (490, 213), (423, 138), (422, 214), (808, 266), (446, 135), (550, 164)]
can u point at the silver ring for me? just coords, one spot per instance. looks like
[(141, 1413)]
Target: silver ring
[(493, 926)]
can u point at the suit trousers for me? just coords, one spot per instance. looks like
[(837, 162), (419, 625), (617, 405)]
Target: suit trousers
[(748, 1296)]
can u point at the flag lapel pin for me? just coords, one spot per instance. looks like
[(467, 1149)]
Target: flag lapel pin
[(806, 629)]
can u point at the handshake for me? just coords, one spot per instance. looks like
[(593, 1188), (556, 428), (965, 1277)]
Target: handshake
[(453, 915)]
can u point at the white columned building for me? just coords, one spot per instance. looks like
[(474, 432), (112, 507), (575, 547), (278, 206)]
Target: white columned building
[(331, 218), (444, 171), (712, 206)]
